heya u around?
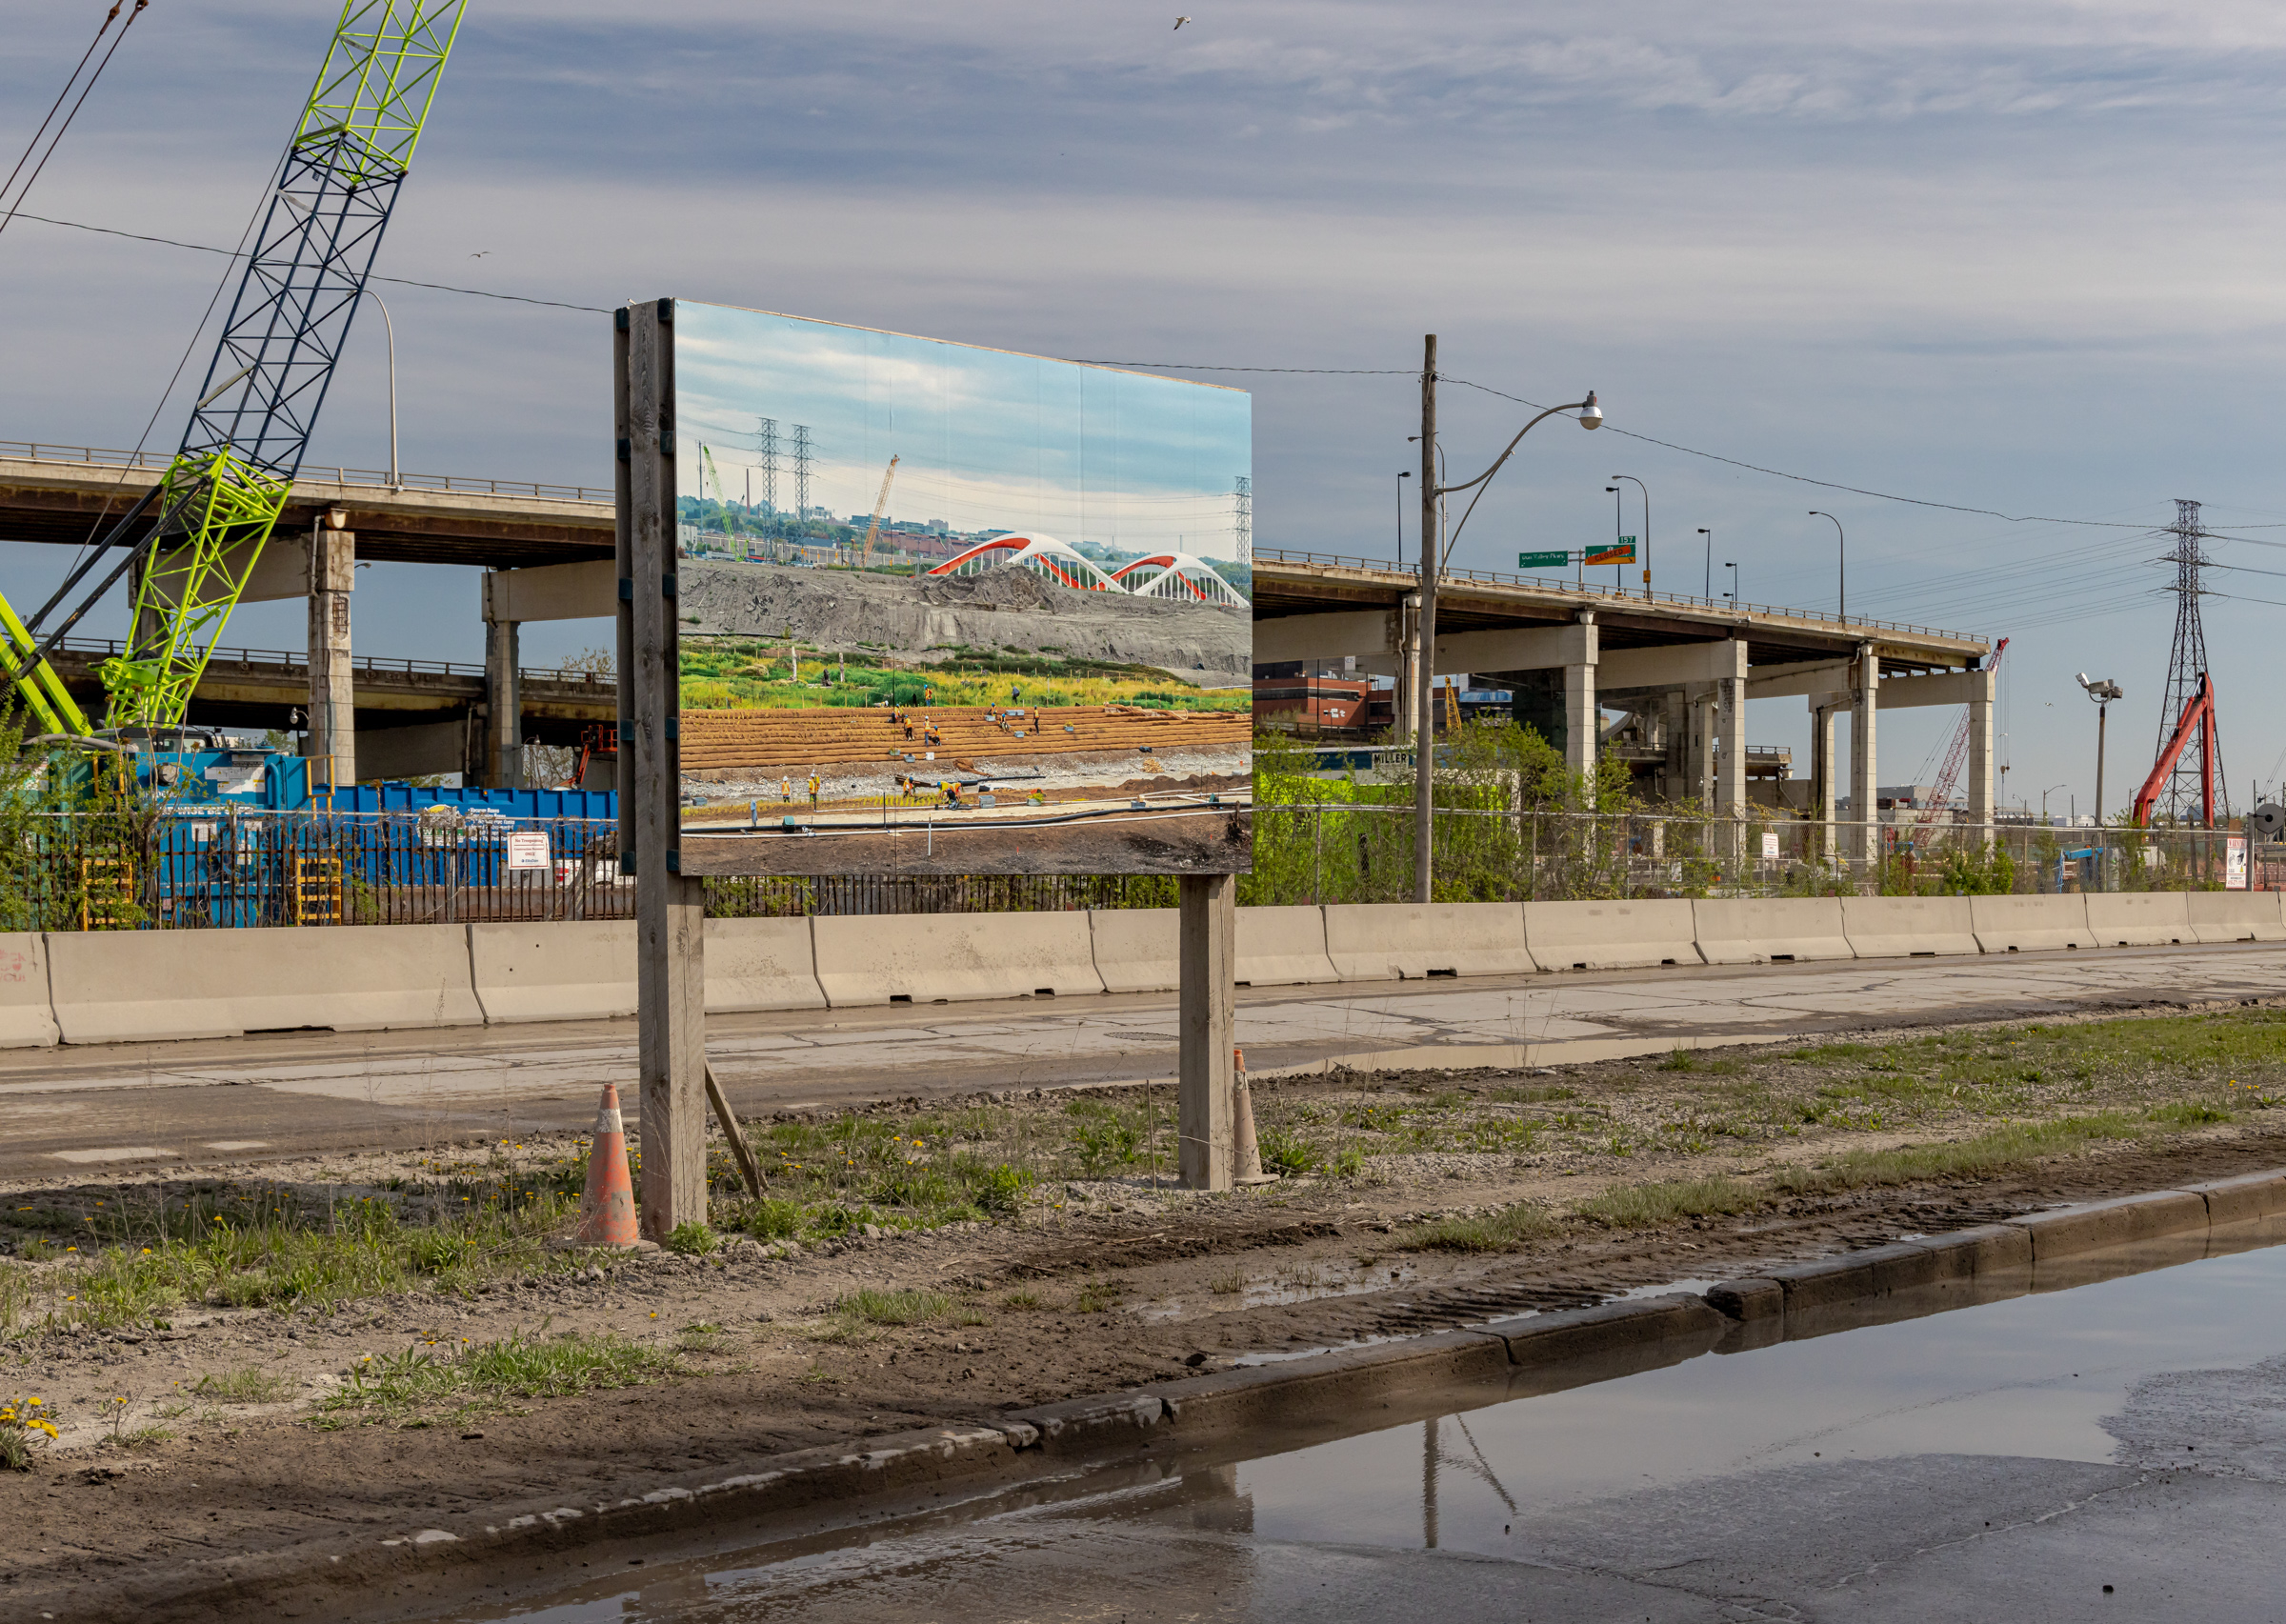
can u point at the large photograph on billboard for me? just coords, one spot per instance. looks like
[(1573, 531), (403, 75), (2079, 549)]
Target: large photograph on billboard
[(952, 609)]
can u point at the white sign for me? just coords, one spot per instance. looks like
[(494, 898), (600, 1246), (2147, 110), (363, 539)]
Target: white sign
[(1770, 845), (528, 849), (2234, 872)]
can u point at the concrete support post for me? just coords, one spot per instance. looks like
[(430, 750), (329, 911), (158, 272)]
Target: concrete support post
[(504, 717), (1864, 775), (1209, 962), (1409, 666), (669, 909), (1730, 795), (331, 740), (1822, 792), (1582, 721), (1699, 747), (1981, 759)]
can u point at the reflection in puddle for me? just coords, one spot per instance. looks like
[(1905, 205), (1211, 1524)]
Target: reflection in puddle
[(2029, 1371)]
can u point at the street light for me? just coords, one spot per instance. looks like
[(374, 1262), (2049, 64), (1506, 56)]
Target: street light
[(1820, 513), (390, 329), (1706, 591), (2044, 795), (1733, 594), (1403, 475), (2103, 690), (1432, 562), (1646, 489)]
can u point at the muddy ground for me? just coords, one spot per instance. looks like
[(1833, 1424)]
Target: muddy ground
[(224, 1441), (1161, 840), (839, 610)]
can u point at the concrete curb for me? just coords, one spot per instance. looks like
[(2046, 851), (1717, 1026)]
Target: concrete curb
[(1345, 1387)]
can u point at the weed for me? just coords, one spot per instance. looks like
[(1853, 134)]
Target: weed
[(1642, 1206), (1503, 1231), (1227, 1285), (909, 1306), (2003, 1147), (245, 1385), (1098, 1296), (1531, 1094), (693, 1240), (1288, 1154), (403, 1385), (1022, 1302)]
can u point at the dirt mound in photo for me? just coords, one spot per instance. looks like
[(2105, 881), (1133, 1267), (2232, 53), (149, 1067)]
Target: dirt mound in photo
[(934, 617)]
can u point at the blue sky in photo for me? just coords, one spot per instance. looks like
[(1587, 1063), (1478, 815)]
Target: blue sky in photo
[(2017, 255), (986, 439)]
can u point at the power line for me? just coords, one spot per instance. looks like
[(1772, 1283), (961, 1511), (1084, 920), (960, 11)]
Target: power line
[(395, 281), (110, 17)]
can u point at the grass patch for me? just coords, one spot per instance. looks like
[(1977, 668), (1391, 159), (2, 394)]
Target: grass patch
[(1986, 1152), (1644, 1205), (245, 1385), (693, 1240), (907, 1306), (1288, 1154), (406, 1387), (1023, 1302), (1503, 1231)]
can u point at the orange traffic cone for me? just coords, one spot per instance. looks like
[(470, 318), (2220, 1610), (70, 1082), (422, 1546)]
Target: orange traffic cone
[(607, 1212)]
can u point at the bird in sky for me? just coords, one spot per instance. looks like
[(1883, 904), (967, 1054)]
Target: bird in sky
[(480, 254), (1180, 21)]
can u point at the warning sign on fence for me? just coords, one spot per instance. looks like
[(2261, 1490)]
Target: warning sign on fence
[(1770, 845), (528, 849)]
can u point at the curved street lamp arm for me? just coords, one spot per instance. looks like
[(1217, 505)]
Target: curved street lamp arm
[(1447, 489)]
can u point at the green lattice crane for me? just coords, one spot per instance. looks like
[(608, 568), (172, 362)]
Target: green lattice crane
[(211, 514)]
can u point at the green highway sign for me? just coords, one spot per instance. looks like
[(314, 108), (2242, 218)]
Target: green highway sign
[(1543, 560)]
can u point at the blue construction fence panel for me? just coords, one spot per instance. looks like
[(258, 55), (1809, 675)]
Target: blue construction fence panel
[(594, 804)]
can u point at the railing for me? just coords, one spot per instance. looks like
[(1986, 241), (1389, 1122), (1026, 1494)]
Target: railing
[(239, 868), (370, 665), (1616, 595), (94, 456)]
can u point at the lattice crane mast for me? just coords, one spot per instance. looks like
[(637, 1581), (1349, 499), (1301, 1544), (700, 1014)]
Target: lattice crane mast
[(1958, 753), (216, 506), (880, 505)]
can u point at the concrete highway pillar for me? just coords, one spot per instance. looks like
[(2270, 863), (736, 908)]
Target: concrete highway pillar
[(1822, 792), (1207, 971), (504, 721), (1729, 797), (331, 739), (1980, 757), (1583, 717), (1864, 776)]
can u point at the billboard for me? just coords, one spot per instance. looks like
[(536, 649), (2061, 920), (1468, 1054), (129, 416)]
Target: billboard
[(944, 608)]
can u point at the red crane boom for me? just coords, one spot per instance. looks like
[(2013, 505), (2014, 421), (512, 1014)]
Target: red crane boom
[(2199, 713), (1958, 751)]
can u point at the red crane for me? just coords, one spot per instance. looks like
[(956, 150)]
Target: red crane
[(2198, 713), (1942, 801)]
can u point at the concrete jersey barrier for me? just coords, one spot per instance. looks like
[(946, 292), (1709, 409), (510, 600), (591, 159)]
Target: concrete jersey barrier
[(761, 964), (1409, 941), (2236, 915), (2138, 918), (2030, 924), (933, 958), (1137, 949), (1283, 947), (1769, 930), (27, 1021), (1908, 927), (1610, 935), (130, 985), (569, 970)]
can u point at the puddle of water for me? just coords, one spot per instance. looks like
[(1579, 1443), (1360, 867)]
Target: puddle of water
[(2031, 1377)]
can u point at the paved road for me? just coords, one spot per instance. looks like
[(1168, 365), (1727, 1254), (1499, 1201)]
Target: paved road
[(2112, 1452), (253, 1098)]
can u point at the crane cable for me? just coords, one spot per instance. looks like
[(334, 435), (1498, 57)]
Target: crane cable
[(110, 17)]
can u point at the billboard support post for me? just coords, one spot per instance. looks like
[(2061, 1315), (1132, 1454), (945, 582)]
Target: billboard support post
[(1208, 963), (670, 908)]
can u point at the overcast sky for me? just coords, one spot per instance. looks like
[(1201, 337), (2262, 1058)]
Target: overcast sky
[(2009, 256)]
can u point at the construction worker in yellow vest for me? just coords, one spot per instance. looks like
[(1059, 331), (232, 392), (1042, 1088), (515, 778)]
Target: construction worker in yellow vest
[(786, 790), (813, 789)]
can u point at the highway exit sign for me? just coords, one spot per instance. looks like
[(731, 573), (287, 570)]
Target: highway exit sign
[(1542, 560)]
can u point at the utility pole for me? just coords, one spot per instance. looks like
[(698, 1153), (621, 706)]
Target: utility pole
[(1424, 734)]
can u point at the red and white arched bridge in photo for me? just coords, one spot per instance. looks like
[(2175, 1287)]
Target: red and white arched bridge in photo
[(1042, 555), (1179, 576), (1175, 576)]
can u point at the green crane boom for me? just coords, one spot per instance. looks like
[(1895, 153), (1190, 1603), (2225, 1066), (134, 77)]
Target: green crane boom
[(220, 498)]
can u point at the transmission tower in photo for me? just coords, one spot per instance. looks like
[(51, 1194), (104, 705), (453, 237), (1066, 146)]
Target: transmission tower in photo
[(2179, 800), (1242, 525), (766, 451), (801, 471)]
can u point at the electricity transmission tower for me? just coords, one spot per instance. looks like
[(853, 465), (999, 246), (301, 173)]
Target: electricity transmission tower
[(801, 471), (2179, 800), (1243, 524), (766, 447)]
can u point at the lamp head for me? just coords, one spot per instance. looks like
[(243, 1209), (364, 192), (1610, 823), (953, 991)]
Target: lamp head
[(1610, 491), (1590, 416)]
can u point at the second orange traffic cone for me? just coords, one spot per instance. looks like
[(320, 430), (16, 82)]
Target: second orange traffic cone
[(607, 1212)]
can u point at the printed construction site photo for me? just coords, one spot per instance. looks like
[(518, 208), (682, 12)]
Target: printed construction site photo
[(953, 610)]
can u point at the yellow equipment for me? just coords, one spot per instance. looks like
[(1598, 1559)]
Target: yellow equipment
[(880, 503)]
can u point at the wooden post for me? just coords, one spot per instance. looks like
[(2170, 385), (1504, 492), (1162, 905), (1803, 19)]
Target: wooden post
[(1424, 738), (1208, 929), (669, 909)]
